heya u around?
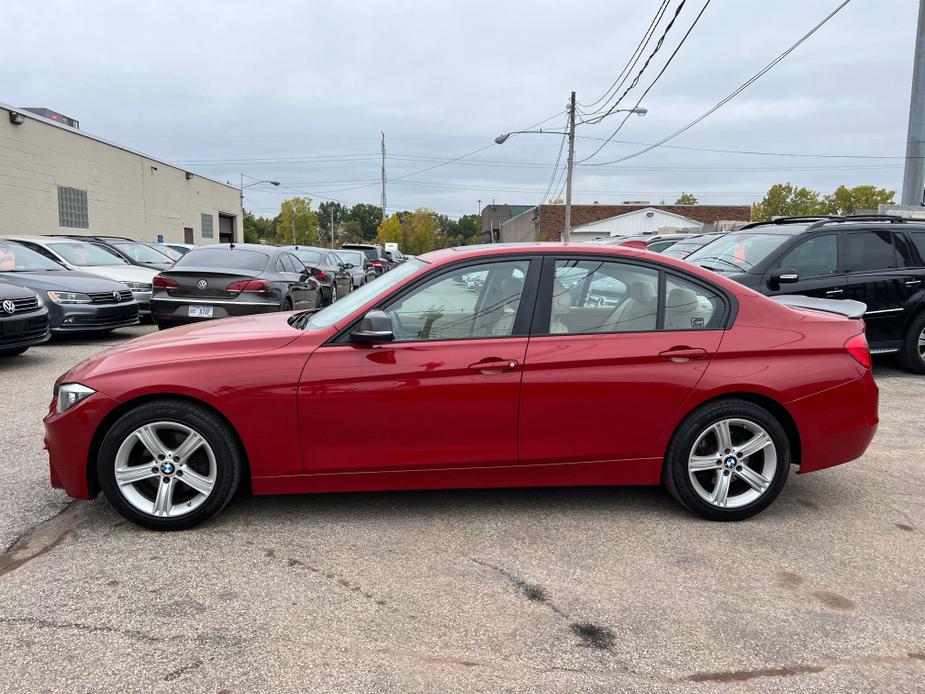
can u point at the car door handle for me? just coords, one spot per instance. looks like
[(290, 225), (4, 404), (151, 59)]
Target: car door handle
[(493, 365), (835, 292), (682, 354), (913, 283)]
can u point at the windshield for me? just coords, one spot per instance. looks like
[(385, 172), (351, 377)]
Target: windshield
[(141, 253), (83, 254), (368, 292), (171, 253), (16, 258), (224, 259), (738, 252)]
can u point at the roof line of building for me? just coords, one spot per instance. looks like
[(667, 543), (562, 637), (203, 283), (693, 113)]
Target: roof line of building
[(48, 121)]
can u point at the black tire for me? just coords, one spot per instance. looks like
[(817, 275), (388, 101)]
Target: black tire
[(675, 469), (287, 305), (12, 352), (228, 458), (910, 357), (163, 325)]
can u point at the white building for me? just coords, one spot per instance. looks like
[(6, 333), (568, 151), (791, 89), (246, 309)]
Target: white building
[(56, 179), (648, 220)]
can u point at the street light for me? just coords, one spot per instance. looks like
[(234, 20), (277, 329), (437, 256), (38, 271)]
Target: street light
[(241, 189), (501, 139)]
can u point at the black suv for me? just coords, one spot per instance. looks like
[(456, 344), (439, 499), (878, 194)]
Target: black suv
[(876, 259)]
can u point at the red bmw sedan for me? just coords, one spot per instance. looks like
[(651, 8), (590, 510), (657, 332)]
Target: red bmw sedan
[(563, 365)]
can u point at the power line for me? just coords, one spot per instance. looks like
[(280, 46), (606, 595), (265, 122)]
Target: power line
[(653, 83), (741, 88), (555, 169), (631, 63), (658, 46)]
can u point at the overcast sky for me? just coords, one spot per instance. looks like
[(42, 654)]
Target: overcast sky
[(298, 91)]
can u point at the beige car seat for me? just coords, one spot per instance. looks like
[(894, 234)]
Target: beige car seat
[(561, 305), (684, 310), (638, 312)]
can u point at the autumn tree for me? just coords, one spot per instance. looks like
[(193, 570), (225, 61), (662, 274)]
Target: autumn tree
[(686, 199), (423, 232), (297, 221), (391, 231), (848, 200), (787, 200)]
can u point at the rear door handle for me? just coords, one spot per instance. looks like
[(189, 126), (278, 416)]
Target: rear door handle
[(493, 365), (682, 354), (835, 292), (913, 283)]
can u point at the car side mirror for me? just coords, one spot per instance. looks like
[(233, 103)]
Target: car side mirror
[(314, 271), (782, 276), (375, 328), (347, 266)]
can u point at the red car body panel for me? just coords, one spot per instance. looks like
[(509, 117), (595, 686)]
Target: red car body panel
[(572, 410)]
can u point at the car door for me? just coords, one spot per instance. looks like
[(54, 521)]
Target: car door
[(341, 274), (443, 393), (815, 261), (603, 379), (294, 273), (873, 277)]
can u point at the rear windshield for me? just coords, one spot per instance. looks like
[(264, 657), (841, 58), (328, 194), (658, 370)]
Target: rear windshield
[(371, 253), (307, 256), (225, 259)]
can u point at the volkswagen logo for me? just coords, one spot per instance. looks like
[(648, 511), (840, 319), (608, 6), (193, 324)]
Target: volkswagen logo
[(117, 297), (9, 306), (202, 284)]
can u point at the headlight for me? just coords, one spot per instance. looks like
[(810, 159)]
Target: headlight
[(69, 394), (69, 298), (138, 286)]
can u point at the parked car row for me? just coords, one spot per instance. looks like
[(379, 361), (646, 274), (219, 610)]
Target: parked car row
[(94, 284)]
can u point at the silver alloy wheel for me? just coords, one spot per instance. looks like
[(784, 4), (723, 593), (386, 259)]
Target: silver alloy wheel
[(922, 344), (333, 292), (732, 463), (165, 469)]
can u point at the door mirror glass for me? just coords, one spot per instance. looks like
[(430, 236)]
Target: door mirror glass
[(781, 276), (347, 266), (376, 327)]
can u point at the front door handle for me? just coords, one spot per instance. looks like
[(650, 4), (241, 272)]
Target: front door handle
[(835, 292), (494, 365), (683, 353)]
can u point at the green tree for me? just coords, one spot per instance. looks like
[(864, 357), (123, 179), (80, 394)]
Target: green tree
[(296, 216), (258, 229), (391, 231), (423, 232), (686, 199), (786, 200), (865, 197), (469, 225), (324, 218), (369, 217), (351, 231)]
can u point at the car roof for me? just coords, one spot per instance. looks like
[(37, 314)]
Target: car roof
[(797, 225)]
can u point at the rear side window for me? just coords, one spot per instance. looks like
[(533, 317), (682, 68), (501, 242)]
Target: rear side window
[(918, 241), (814, 258), (689, 306), (224, 258), (867, 251)]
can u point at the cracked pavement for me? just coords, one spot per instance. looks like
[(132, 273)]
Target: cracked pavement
[(560, 590)]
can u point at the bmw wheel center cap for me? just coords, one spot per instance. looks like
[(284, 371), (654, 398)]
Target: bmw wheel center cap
[(730, 463), (167, 468)]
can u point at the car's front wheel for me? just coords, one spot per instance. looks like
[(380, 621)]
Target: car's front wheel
[(912, 355), (727, 460), (169, 465), (12, 352)]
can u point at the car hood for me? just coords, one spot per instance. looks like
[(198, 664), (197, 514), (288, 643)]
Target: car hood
[(66, 280), (122, 273), (228, 336)]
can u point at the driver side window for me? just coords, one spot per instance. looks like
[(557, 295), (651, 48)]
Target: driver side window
[(470, 302), (814, 258)]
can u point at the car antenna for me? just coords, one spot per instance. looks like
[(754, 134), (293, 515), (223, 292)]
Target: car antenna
[(231, 245)]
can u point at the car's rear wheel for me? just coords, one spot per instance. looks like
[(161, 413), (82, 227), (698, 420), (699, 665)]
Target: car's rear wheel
[(912, 355), (727, 460), (169, 465), (333, 292)]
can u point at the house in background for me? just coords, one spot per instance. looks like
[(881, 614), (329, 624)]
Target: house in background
[(547, 222)]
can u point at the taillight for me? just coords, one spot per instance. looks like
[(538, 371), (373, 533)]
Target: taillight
[(322, 275), (255, 286), (857, 348), (162, 282), (377, 264)]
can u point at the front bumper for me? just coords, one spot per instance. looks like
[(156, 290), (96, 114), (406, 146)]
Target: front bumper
[(836, 425), (143, 299), (79, 318), (68, 440), (25, 329), (175, 310)]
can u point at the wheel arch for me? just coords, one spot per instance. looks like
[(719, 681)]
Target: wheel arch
[(771, 405), (93, 483)]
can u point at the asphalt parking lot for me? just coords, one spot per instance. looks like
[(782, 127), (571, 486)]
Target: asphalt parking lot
[(502, 590)]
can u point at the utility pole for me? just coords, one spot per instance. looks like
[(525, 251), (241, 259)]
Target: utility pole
[(383, 175), (332, 227), (914, 179), (571, 165)]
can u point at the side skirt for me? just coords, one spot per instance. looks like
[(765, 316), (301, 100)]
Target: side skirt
[(640, 471)]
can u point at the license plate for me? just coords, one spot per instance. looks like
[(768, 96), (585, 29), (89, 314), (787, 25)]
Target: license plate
[(200, 311)]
